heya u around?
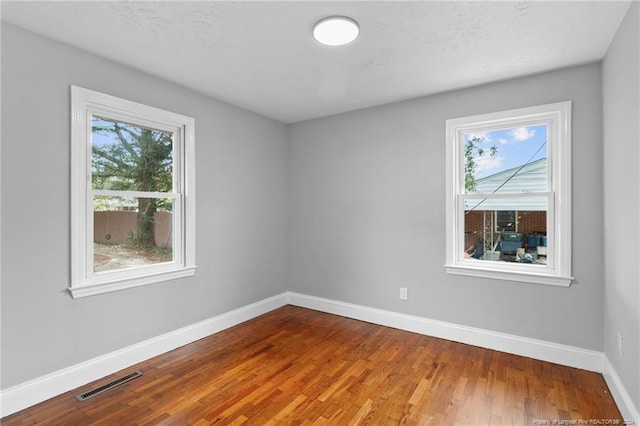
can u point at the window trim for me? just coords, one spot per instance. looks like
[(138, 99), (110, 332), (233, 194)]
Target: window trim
[(84, 104), (558, 272)]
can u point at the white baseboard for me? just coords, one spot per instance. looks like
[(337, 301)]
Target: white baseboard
[(626, 405), (26, 394), (40, 389), (538, 349)]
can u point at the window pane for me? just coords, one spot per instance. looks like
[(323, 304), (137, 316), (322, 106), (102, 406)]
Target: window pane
[(130, 158), (131, 232), (509, 160), (509, 230), (506, 220)]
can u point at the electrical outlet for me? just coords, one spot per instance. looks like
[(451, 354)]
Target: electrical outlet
[(619, 344), (403, 293)]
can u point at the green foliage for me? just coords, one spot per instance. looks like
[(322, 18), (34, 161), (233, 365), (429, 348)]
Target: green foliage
[(130, 158), (472, 151), (126, 157)]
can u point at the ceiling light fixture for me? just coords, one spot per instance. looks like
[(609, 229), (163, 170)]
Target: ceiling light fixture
[(336, 30)]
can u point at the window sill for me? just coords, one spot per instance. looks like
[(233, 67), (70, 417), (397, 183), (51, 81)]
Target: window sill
[(130, 282), (509, 275)]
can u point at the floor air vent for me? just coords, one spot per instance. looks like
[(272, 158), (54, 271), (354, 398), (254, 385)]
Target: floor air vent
[(109, 385)]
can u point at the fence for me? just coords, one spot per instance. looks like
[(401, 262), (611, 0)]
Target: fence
[(115, 227)]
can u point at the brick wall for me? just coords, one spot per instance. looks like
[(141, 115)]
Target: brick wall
[(529, 222)]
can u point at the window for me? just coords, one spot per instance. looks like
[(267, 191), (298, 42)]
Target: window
[(132, 194), (506, 220), (509, 195)]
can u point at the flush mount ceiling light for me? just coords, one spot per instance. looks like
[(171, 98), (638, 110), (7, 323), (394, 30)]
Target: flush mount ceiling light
[(336, 30)]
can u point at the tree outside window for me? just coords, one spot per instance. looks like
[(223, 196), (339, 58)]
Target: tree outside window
[(126, 157)]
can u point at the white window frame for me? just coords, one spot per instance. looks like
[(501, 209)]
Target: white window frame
[(86, 103), (557, 117)]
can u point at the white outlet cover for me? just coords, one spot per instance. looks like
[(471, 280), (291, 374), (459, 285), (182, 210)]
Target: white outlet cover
[(619, 344), (403, 293)]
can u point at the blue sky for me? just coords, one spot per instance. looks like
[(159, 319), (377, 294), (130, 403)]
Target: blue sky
[(102, 138), (515, 146), (106, 138)]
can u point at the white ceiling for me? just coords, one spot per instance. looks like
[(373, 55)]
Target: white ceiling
[(261, 56)]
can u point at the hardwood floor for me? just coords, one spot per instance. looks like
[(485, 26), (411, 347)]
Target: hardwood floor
[(300, 367)]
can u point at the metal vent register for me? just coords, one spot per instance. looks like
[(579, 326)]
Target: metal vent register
[(109, 385)]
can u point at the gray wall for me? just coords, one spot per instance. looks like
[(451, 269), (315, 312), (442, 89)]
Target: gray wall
[(368, 214), (241, 212), (353, 203), (621, 92)]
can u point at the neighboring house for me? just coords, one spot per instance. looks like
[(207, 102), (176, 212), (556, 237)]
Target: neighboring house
[(487, 218)]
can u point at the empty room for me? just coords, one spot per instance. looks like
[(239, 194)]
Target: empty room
[(314, 212)]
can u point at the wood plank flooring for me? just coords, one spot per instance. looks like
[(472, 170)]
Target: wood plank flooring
[(296, 366)]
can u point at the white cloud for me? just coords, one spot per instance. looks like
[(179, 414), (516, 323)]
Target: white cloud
[(522, 133), (487, 162), (503, 141), (482, 136)]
